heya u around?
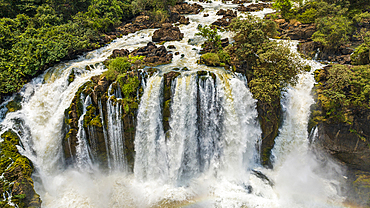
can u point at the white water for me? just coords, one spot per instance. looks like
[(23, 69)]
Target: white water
[(204, 164)]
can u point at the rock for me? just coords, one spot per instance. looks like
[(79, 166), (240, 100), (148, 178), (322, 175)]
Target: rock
[(153, 55), (171, 47), (184, 20), (185, 8), (119, 53), (253, 7), (300, 32), (167, 33), (280, 21), (177, 53), (241, 1), (225, 21), (205, 15), (229, 13), (16, 183)]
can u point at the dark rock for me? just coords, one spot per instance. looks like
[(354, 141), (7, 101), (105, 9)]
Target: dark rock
[(228, 16), (119, 53), (177, 53), (171, 47), (185, 8), (205, 15), (241, 1), (167, 33), (348, 142), (184, 20), (229, 13), (153, 55), (253, 7)]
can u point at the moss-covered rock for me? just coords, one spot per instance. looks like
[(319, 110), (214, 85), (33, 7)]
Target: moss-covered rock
[(342, 113), (16, 170), (126, 86), (167, 96)]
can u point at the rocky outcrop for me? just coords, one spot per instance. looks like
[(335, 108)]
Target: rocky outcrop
[(185, 8), (295, 30), (146, 21), (228, 16), (153, 55), (16, 182), (270, 117), (167, 33), (303, 32), (95, 120), (167, 97), (253, 7)]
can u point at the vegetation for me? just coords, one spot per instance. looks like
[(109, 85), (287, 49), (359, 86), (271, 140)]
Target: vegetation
[(270, 64), (16, 173), (36, 34), (340, 88)]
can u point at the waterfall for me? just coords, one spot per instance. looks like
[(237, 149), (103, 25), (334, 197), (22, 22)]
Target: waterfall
[(116, 133), (150, 158), (207, 155), (84, 160)]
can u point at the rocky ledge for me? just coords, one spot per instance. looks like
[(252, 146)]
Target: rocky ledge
[(16, 182)]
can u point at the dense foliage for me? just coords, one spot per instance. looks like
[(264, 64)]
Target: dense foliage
[(35, 34), (271, 64), (343, 87), (337, 21)]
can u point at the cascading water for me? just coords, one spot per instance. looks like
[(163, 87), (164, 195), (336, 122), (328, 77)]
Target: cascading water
[(203, 160)]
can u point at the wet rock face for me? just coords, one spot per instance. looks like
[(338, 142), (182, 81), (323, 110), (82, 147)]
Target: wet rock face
[(303, 33), (95, 119), (16, 170), (167, 33), (350, 143), (253, 7)]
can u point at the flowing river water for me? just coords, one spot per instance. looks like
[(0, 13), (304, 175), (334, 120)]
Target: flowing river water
[(209, 158)]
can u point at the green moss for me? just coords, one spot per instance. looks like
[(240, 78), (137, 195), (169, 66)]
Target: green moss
[(71, 76), (210, 59), (96, 121)]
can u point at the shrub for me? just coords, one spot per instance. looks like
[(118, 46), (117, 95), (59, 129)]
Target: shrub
[(332, 32), (213, 39), (119, 64)]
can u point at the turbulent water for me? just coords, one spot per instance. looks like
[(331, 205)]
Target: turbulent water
[(208, 158)]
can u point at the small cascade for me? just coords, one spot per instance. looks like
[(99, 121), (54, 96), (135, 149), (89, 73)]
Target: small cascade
[(209, 122), (116, 132), (150, 158), (83, 152), (183, 142), (241, 132), (105, 133)]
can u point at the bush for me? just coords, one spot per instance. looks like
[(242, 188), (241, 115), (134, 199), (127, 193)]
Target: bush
[(332, 32), (309, 16), (119, 64), (271, 64), (213, 39)]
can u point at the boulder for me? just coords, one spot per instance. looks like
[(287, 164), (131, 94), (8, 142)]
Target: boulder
[(167, 33), (153, 55), (185, 8), (253, 7)]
